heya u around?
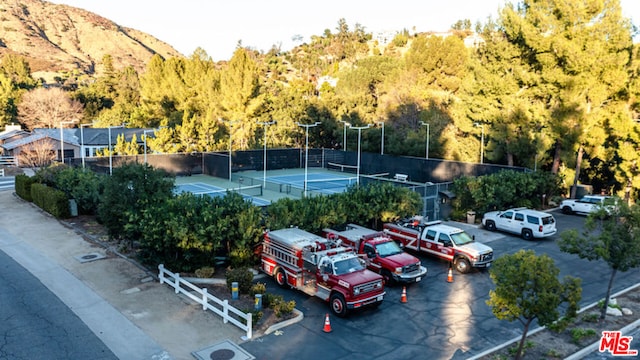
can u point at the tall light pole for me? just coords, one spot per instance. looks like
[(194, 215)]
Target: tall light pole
[(481, 141), (110, 150), (62, 137), (426, 156), (264, 172), (359, 128), (82, 141), (306, 151), (144, 132), (381, 123), (344, 139), (229, 123)]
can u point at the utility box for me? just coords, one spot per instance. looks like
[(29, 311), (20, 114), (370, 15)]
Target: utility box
[(73, 208), (471, 217)]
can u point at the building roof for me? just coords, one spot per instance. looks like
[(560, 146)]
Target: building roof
[(78, 137)]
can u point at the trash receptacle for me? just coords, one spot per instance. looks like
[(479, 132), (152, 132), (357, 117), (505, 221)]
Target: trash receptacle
[(471, 217)]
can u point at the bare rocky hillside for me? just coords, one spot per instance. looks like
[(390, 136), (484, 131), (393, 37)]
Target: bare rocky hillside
[(59, 38)]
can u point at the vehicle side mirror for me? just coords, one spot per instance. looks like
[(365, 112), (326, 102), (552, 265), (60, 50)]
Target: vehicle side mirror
[(447, 243)]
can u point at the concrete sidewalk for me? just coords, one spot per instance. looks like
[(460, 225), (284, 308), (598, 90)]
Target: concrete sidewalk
[(122, 303)]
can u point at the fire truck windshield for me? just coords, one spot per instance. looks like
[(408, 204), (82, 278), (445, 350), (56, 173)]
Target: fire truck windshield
[(347, 266), (388, 248), (461, 238)]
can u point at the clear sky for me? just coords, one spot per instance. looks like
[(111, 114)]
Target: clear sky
[(217, 26)]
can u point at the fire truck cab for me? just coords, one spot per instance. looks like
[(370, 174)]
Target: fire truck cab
[(320, 267)]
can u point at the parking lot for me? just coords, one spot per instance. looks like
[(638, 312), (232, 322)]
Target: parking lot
[(440, 320)]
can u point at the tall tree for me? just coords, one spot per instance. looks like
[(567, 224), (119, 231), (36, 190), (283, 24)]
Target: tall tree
[(17, 69), (580, 49), (528, 289), (611, 234), (48, 108), (240, 96)]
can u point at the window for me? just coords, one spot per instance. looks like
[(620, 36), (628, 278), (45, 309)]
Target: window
[(444, 238), (431, 235), (508, 215), (519, 217), (533, 220)]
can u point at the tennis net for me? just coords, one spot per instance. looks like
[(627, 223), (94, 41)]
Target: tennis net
[(245, 191), (352, 169), (319, 184)]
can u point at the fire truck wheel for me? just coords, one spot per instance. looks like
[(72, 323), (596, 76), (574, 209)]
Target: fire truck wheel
[(338, 305), (281, 277), (462, 265)]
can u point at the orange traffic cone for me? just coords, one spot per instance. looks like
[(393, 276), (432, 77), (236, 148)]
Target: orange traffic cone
[(450, 275), (403, 299), (327, 325)]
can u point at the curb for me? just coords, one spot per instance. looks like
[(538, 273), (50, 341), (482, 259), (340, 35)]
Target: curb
[(299, 316), (591, 348), (578, 355)]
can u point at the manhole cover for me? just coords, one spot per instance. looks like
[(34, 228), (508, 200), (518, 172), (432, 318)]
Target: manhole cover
[(222, 354), (89, 257)]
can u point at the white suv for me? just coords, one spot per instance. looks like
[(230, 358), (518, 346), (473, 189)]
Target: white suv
[(587, 204), (530, 224)]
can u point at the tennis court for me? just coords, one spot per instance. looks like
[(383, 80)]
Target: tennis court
[(320, 183), (251, 193)]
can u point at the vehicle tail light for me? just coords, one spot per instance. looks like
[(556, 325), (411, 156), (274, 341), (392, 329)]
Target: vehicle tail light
[(540, 228)]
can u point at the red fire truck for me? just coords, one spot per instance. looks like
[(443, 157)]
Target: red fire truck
[(382, 254), (442, 241), (319, 267)]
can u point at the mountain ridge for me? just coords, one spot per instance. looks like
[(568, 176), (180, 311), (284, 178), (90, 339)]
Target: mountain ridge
[(56, 38)]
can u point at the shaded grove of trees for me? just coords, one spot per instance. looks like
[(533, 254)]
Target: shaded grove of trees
[(548, 87)]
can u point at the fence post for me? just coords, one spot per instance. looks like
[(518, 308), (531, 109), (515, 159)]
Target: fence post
[(161, 273), (225, 311), (177, 283), (204, 298), (249, 325)]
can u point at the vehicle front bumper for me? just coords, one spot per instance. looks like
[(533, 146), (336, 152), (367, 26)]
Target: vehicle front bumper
[(412, 277)]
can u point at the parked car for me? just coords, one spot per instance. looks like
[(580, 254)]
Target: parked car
[(587, 204), (529, 224)]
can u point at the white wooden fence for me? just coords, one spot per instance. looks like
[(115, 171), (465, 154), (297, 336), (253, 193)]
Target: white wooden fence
[(208, 301)]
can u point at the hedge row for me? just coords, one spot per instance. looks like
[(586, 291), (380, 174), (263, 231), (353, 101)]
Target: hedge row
[(51, 200), (23, 186)]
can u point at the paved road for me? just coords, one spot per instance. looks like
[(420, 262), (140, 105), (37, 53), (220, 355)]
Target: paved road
[(440, 320), (35, 324)]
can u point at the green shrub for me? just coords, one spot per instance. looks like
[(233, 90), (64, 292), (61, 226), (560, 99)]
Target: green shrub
[(243, 277), (53, 201), (258, 288), (268, 299), (240, 257), (256, 315), (577, 334), (592, 318), (23, 186), (205, 272), (283, 307)]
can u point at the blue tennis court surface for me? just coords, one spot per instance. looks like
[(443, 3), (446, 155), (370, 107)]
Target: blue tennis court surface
[(247, 192), (322, 183)]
